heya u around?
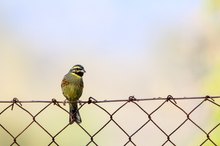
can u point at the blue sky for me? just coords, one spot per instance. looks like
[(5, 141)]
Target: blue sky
[(104, 24)]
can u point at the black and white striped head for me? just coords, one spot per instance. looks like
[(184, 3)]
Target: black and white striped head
[(78, 69)]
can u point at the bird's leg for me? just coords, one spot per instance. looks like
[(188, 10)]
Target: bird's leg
[(64, 102)]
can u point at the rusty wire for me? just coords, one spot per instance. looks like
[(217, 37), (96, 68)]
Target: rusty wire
[(131, 100)]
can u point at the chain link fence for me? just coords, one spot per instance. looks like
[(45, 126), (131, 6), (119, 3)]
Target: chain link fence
[(130, 122)]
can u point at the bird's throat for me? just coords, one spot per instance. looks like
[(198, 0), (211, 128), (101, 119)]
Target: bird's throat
[(80, 74)]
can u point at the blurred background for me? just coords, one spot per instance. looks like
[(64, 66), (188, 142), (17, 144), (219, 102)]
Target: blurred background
[(141, 48)]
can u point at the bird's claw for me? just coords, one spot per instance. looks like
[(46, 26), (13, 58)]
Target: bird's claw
[(64, 102)]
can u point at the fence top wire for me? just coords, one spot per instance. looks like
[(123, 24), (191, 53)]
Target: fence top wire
[(130, 99)]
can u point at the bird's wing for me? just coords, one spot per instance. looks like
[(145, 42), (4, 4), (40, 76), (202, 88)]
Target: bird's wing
[(64, 82)]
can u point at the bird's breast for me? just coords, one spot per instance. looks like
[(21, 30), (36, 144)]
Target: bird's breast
[(73, 88)]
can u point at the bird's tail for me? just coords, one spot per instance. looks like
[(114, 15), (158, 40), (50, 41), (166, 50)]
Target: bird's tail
[(74, 114)]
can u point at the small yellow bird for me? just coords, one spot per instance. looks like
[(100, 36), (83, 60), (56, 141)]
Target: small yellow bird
[(72, 87)]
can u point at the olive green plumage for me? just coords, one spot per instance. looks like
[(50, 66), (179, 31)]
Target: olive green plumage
[(72, 87)]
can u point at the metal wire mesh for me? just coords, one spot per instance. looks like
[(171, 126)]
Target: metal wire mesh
[(149, 115)]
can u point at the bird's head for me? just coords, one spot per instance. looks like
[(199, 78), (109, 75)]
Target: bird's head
[(78, 69)]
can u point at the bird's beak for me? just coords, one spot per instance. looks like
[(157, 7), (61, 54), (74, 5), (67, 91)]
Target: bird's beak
[(83, 71)]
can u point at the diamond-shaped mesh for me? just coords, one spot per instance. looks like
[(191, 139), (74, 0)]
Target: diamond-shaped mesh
[(150, 121)]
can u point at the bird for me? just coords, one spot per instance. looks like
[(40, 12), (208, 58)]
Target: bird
[(72, 88)]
